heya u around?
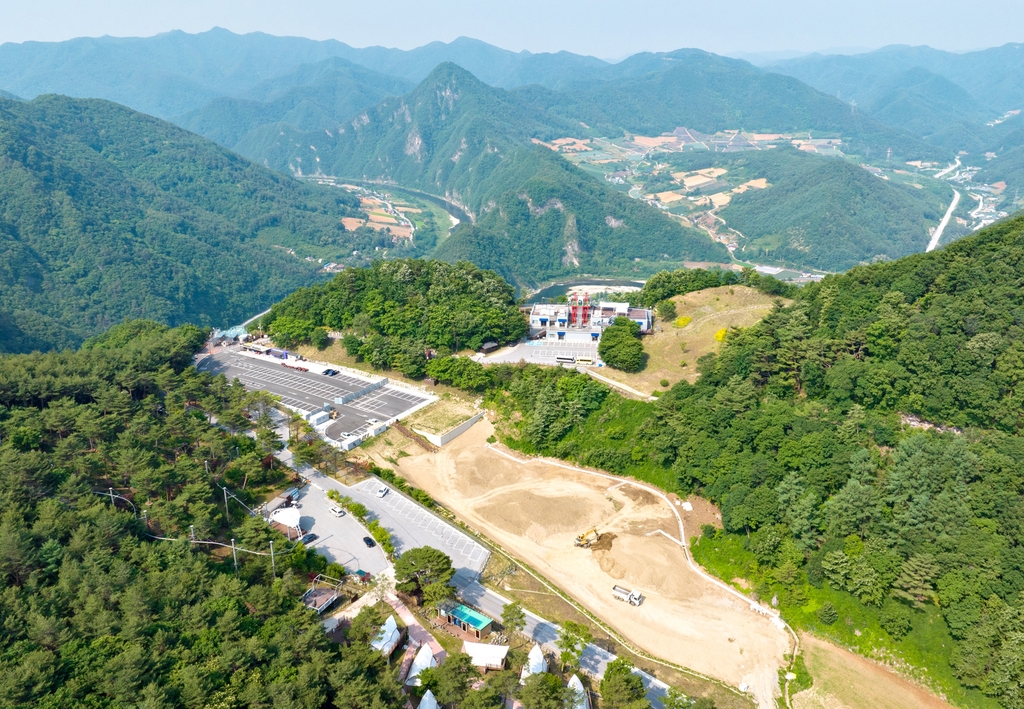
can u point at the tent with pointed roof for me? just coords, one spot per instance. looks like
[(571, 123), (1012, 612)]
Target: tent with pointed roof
[(424, 659), (428, 701), (582, 700), (387, 639), (535, 663)]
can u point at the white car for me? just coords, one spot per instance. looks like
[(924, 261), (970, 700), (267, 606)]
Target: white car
[(382, 491), (337, 511)]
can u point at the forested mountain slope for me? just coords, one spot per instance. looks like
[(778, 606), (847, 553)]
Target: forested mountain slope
[(106, 214), (815, 431), (95, 611), (826, 212), (314, 97), (537, 216), (942, 97)]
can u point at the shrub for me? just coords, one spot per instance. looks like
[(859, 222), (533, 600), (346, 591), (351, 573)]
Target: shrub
[(720, 335), (827, 614), (895, 619), (351, 343), (683, 321), (319, 339), (664, 382), (666, 310)]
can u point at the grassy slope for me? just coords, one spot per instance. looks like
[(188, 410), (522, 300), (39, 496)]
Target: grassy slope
[(709, 310)]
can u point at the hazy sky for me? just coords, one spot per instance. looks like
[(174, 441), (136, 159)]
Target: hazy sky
[(599, 27)]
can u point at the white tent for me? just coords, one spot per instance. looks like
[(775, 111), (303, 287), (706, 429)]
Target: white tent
[(387, 639), (428, 701), (535, 663), (424, 659), (288, 516), (491, 657), (582, 697)]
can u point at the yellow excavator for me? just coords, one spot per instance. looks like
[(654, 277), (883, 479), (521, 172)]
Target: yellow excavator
[(587, 538)]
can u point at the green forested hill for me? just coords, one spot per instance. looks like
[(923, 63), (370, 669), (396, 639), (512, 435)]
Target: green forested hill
[(863, 444), (823, 212), (107, 214), (537, 216), (95, 611)]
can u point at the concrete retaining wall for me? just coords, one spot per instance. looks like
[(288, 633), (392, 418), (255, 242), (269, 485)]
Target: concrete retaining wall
[(440, 440)]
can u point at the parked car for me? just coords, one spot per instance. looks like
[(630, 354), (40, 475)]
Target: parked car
[(382, 491), (331, 372), (307, 538), (337, 511), (370, 544)]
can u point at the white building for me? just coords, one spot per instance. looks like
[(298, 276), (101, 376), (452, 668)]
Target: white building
[(559, 322)]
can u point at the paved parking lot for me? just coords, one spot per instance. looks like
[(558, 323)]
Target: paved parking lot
[(545, 352), (309, 391), (339, 539), (421, 528)]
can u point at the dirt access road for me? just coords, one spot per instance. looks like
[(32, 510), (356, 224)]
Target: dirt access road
[(536, 509)]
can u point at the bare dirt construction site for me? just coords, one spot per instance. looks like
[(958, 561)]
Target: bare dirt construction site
[(535, 510), (843, 680), (705, 314)]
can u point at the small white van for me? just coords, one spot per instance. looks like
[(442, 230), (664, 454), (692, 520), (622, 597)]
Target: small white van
[(382, 491), (337, 511)]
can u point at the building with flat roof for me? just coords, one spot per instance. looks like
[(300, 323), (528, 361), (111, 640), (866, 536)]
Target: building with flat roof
[(583, 321), (469, 620)]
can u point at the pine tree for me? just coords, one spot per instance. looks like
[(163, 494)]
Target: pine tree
[(915, 580)]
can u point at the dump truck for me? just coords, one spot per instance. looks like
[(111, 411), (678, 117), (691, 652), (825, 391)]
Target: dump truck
[(587, 538), (633, 598)]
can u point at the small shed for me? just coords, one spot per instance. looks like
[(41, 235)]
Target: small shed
[(387, 640), (428, 701), (424, 659), (536, 663), (484, 656), (477, 624), (489, 347)]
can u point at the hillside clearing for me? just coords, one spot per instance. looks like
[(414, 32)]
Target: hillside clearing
[(534, 509), (710, 311), (843, 680)]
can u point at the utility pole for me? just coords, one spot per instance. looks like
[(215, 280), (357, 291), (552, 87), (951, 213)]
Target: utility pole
[(192, 533), (273, 566), (227, 513), (234, 554), (111, 491)]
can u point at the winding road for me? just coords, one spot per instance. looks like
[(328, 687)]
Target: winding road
[(945, 220)]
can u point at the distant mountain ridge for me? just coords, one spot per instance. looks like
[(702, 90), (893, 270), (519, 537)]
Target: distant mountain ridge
[(312, 97), (174, 73), (994, 76)]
